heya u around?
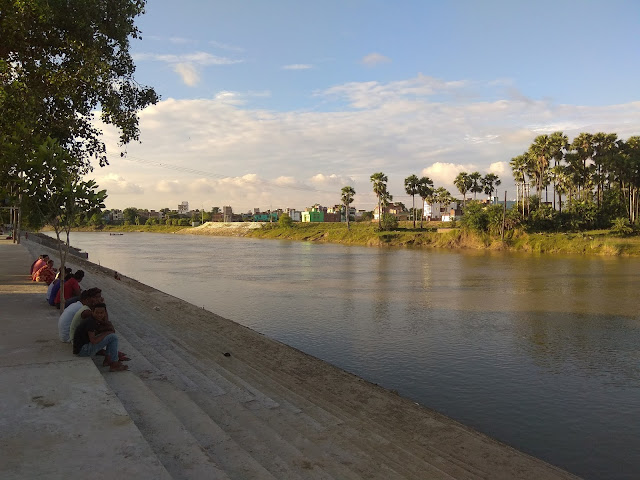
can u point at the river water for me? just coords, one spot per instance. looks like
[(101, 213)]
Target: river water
[(540, 352)]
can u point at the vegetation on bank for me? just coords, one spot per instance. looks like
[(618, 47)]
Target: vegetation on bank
[(126, 228), (433, 235), (440, 235)]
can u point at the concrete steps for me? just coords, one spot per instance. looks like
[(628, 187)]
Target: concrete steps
[(256, 414)]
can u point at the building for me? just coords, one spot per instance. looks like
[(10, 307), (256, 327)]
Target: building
[(312, 216), (441, 212), (227, 213), (117, 216), (393, 208), (294, 214), (183, 208)]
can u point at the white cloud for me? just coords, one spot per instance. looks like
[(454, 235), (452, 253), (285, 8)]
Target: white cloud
[(374, 59), (180, 40), (501, 169), (115, 184), (226, 46), (170, 186), (189, 65), (298, 66), (188, 73), (227, 153)]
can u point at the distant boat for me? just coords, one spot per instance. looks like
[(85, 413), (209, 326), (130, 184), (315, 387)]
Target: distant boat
[(116, 234)]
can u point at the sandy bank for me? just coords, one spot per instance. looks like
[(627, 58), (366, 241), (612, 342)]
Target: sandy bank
[(228, 229), (215, 399)]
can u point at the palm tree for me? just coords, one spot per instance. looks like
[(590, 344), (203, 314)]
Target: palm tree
[(347, 199), (463, 183), (583, 150), (488, 182), (476, 183), (379, 181), (521, 168), (442, 196), (411, 187), (425, 190)]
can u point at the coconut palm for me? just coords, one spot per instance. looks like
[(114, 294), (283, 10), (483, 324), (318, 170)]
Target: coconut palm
[(347, 200), (490, 182), (425, 190), (476, 183), (463, 183), (411, 187), (379, 181)]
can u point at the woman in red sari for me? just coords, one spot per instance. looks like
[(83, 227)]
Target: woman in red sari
[(46, 274)]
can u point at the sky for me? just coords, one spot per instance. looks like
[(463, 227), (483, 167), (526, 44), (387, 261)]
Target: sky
[(280, 103)]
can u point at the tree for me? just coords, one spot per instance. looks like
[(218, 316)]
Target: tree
[(74, 59), (61, 61), (425, 190), (411, 187), (130, 214), (65, 196), (488, 182), (215, 210), (347, 200), (442, 196), (463, 183), (285, 221), (476, 183), (379, 181)]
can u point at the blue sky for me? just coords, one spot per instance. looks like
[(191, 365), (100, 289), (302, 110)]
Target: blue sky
[(271, 104)]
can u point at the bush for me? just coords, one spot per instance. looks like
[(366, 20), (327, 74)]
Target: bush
[(388, 222), (621, 226), (475, 218), (285, 221)]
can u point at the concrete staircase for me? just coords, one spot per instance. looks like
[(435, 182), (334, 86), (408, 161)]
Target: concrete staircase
[(215, 400)]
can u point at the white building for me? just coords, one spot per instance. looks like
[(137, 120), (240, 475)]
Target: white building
[(440, 212), (294, 214), (183, 208)]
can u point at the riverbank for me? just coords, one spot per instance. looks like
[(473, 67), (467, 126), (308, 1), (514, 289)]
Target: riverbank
[(433, 235), (212, 396)]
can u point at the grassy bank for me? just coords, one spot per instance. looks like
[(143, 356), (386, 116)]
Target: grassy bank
[(434, 235), (127, 228), (594, 242)]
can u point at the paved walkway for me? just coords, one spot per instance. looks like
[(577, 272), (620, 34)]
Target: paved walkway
[(59, 419)]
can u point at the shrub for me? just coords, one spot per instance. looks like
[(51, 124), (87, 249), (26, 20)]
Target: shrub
[(388, 222), (621, 226), (285, 221), (475, 218)]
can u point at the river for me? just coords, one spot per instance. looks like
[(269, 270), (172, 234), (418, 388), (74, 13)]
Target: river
[(538, 351)]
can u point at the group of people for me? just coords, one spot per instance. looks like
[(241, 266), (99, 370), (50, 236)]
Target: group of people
[(84, 323), (42, 270)]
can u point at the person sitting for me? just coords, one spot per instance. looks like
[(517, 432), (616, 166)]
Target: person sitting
[(46, 274), (88, 298), (39, 263), (71, 289), (86, 342), (55, 286)]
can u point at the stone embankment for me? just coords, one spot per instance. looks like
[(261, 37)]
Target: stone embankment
[(213, 399)]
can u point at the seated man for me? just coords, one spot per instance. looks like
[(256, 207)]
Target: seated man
[(88, 298), (71, 289), (55, 286), (87, 343)]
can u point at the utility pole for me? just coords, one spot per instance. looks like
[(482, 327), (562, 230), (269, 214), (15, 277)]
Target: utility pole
[(504, 215)]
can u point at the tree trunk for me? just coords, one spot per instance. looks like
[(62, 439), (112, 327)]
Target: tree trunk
[(413, 201)]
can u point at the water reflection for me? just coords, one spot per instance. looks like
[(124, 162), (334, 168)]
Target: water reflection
[(538, 351)]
